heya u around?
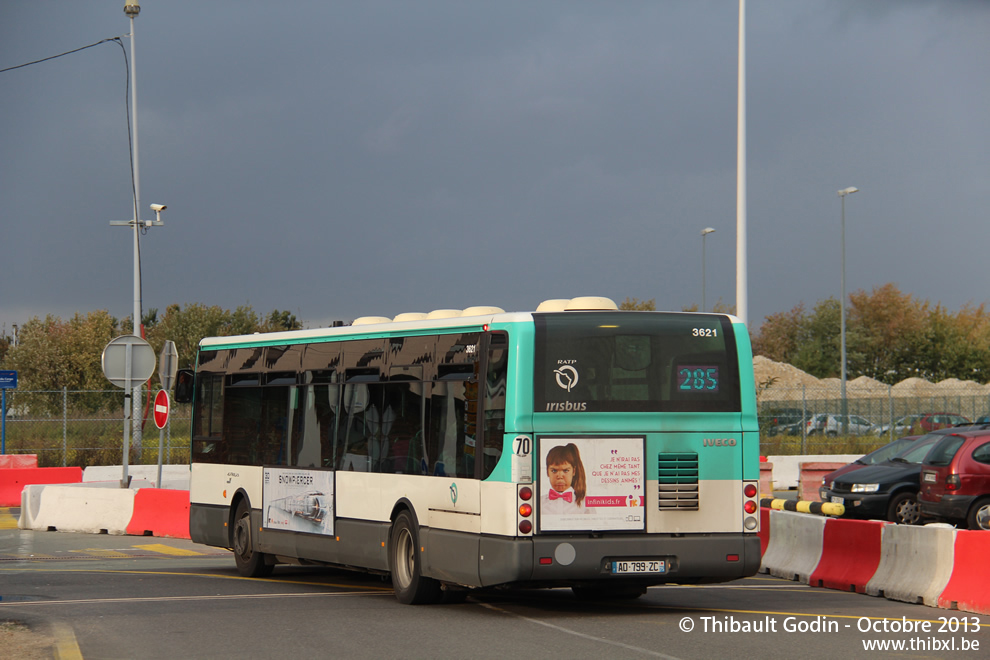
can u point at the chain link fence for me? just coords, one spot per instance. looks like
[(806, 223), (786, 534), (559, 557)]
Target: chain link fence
[(807, 419), (86, 427)]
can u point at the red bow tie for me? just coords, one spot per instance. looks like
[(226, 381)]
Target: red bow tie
[(567, 497)]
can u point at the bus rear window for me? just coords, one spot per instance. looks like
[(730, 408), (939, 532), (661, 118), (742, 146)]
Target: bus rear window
[(635, 362)]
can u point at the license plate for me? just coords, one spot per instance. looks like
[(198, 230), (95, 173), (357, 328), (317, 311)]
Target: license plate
[(930, 477), (838, 500), (649, 566)]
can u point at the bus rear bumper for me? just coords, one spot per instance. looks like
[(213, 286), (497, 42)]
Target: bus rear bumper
[(568, 560)]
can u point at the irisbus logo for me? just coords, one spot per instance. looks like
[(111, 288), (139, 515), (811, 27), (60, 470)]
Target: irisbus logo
[(719, 442)]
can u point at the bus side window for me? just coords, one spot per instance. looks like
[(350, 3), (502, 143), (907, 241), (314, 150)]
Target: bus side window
[(494, 404), (452, 425)]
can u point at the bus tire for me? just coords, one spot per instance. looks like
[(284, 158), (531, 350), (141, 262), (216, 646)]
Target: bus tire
[(250, 562), (405, 564)]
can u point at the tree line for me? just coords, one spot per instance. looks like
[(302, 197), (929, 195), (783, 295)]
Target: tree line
[(890, 336), (52, 353)]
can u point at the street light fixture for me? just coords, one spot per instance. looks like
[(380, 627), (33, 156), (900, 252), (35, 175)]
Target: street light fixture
[(842, 313), (704, 233)]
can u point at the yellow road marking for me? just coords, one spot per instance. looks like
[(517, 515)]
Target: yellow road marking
[(7, 520), (66, 647), (169, 550)]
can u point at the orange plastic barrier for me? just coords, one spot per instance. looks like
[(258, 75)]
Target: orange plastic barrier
[(13, 480), (764, 532), (811, 479), (160, 512), (969, 587), (850, 554), (8, 461)]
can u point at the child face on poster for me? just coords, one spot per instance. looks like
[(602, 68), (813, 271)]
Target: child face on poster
[(565, 472), (561, 475)]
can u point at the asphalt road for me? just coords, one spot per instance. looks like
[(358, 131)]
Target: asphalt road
[(110, 597)]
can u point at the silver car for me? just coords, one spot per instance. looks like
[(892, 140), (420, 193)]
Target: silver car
[(831, 424)]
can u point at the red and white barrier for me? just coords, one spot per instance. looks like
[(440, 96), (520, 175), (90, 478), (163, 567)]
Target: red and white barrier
[(967, 588), (13, 480), (850, 554), (92, 508), (934, 564), (18, 461)]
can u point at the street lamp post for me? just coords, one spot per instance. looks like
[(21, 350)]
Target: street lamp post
[(132, 8), (842, 313), (704, 233)]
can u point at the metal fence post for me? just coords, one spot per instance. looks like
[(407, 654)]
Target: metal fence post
[(804, 416), (65, 423)]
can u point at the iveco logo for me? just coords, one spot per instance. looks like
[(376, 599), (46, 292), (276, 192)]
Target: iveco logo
[(719, 442), (567, 377)]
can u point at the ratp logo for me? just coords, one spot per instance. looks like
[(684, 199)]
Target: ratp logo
[(567, 377), (453, 493)]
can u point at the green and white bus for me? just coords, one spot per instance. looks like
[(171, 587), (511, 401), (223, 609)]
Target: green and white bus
[(574, 446)]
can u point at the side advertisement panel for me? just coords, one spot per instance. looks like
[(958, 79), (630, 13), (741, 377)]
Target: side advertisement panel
[(298, 500)]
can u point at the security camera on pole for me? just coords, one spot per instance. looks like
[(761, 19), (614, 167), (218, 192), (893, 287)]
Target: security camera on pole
[(132, 8)]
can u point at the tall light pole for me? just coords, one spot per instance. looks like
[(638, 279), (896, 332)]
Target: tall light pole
[(742, 296), (704, 233), (132, 8), (842, 313)]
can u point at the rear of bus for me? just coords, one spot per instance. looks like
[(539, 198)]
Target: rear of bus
[(645, 449)]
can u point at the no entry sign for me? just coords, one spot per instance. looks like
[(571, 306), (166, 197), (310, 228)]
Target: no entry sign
[(161, 409)]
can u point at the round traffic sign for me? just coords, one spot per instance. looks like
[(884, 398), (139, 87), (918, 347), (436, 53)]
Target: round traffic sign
[(161, 409), (128, 361)]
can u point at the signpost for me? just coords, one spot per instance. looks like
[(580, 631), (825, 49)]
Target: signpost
[(127, 362), (168, 365), (8, 381)]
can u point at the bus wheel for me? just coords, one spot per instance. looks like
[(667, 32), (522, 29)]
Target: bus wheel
[(250, 563), (411, 588)]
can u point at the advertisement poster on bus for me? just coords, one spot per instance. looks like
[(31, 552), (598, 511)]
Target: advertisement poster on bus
[(591, 484), (298, 500)]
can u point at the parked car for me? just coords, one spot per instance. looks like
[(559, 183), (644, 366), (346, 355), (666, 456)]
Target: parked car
[(924, 423), (784, 421), (887, 490), (885, 453), (955, 479), (831, 424)]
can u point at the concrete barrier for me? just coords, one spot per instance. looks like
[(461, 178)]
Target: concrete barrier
[(968, 588), (766, 479), (850, 555), (174, 477), (13, 480), (18, 461), (810, 478), (786, 470), (795, 545), (160, 512), (915, 563), (68, 509)]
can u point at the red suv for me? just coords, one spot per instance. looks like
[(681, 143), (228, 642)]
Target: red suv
[(955, 479)]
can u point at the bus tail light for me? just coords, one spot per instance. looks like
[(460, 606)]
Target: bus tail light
[(751, 506), (524, 510)]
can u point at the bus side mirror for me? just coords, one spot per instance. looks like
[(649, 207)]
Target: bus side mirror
[(184, 379)]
